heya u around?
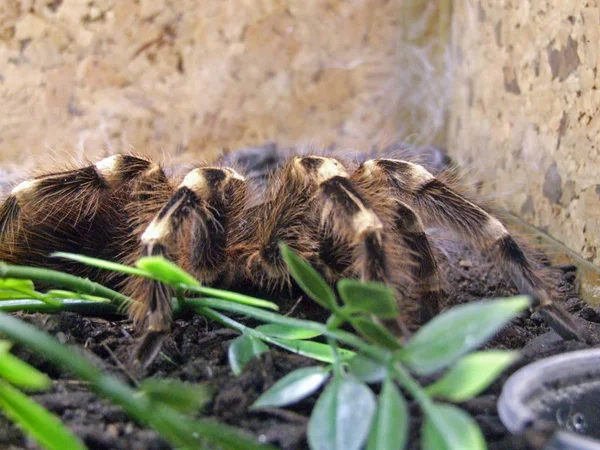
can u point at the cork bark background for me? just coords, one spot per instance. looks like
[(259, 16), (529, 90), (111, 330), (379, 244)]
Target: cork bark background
[(525, 110), (184, 79), (514, 84)]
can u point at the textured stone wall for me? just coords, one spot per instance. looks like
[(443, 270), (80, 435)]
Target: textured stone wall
[(183, 78), (525, 110)]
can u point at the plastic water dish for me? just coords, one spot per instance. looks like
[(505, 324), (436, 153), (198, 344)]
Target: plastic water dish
[(562, 390)]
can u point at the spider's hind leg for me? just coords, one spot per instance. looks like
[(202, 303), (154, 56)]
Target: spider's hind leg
[(77, 211), (438, 204)]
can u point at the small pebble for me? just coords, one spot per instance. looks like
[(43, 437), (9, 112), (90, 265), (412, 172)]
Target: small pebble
[(61, 337)]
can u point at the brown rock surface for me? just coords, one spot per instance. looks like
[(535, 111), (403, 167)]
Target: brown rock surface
[(525, 111), (185, 78)]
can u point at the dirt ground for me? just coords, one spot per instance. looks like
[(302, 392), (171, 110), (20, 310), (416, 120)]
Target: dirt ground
[(197, 352)]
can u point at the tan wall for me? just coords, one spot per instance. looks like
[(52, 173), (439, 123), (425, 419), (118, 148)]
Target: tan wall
[(525, 110), (182, 77)]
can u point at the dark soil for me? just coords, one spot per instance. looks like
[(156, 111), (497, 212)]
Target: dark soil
[(197, 352)]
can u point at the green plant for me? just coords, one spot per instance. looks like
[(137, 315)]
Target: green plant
[(40, 423), (146, 405), (347, 414)]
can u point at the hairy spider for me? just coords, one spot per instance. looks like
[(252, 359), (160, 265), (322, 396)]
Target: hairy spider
[(364, 220)]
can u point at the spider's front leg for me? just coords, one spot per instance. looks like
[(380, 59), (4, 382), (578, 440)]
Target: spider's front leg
[(438, 204)]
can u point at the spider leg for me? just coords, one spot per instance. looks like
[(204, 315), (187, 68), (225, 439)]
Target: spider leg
[(10, 222), (348, 218), (414, 253), (425, 271), (73, 211), (350, 222), (438, 204), (285, 216), (192, 228), (309, 209)]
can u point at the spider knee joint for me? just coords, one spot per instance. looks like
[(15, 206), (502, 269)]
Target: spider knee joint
[(207, 181), (320, 169), (366, 223), (25, 189), (117, 169)]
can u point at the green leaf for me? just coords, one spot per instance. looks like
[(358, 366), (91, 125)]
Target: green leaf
[(287, 332), (310, 349), (65, 280), (342, 417), (293, 387), (181, 396), (375, 332), (243, 349), (448, 427), (93, 308), (102, 264), (390, 429), (16, 284), (38, 422), (14, 295), (367, 370), (20, 374), (180, 430), (62, 294), (369, 297), (94, 298), (48, 299), (308, 279), (472, 374), (452, 334), (165, 271), (16, 289)]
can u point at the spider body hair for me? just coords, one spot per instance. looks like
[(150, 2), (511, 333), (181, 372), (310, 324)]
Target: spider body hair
[(366, 221)]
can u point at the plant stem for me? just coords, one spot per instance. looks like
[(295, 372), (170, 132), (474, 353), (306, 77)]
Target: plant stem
[(267, 316), (334, 321), (87, 307), (383, 357), (233, 324), (179, 292), (418, 393), (57, 278), (410, 384), (232, 297)]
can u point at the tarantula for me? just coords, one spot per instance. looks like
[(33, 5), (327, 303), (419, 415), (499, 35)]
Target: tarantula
[(366, 221)]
